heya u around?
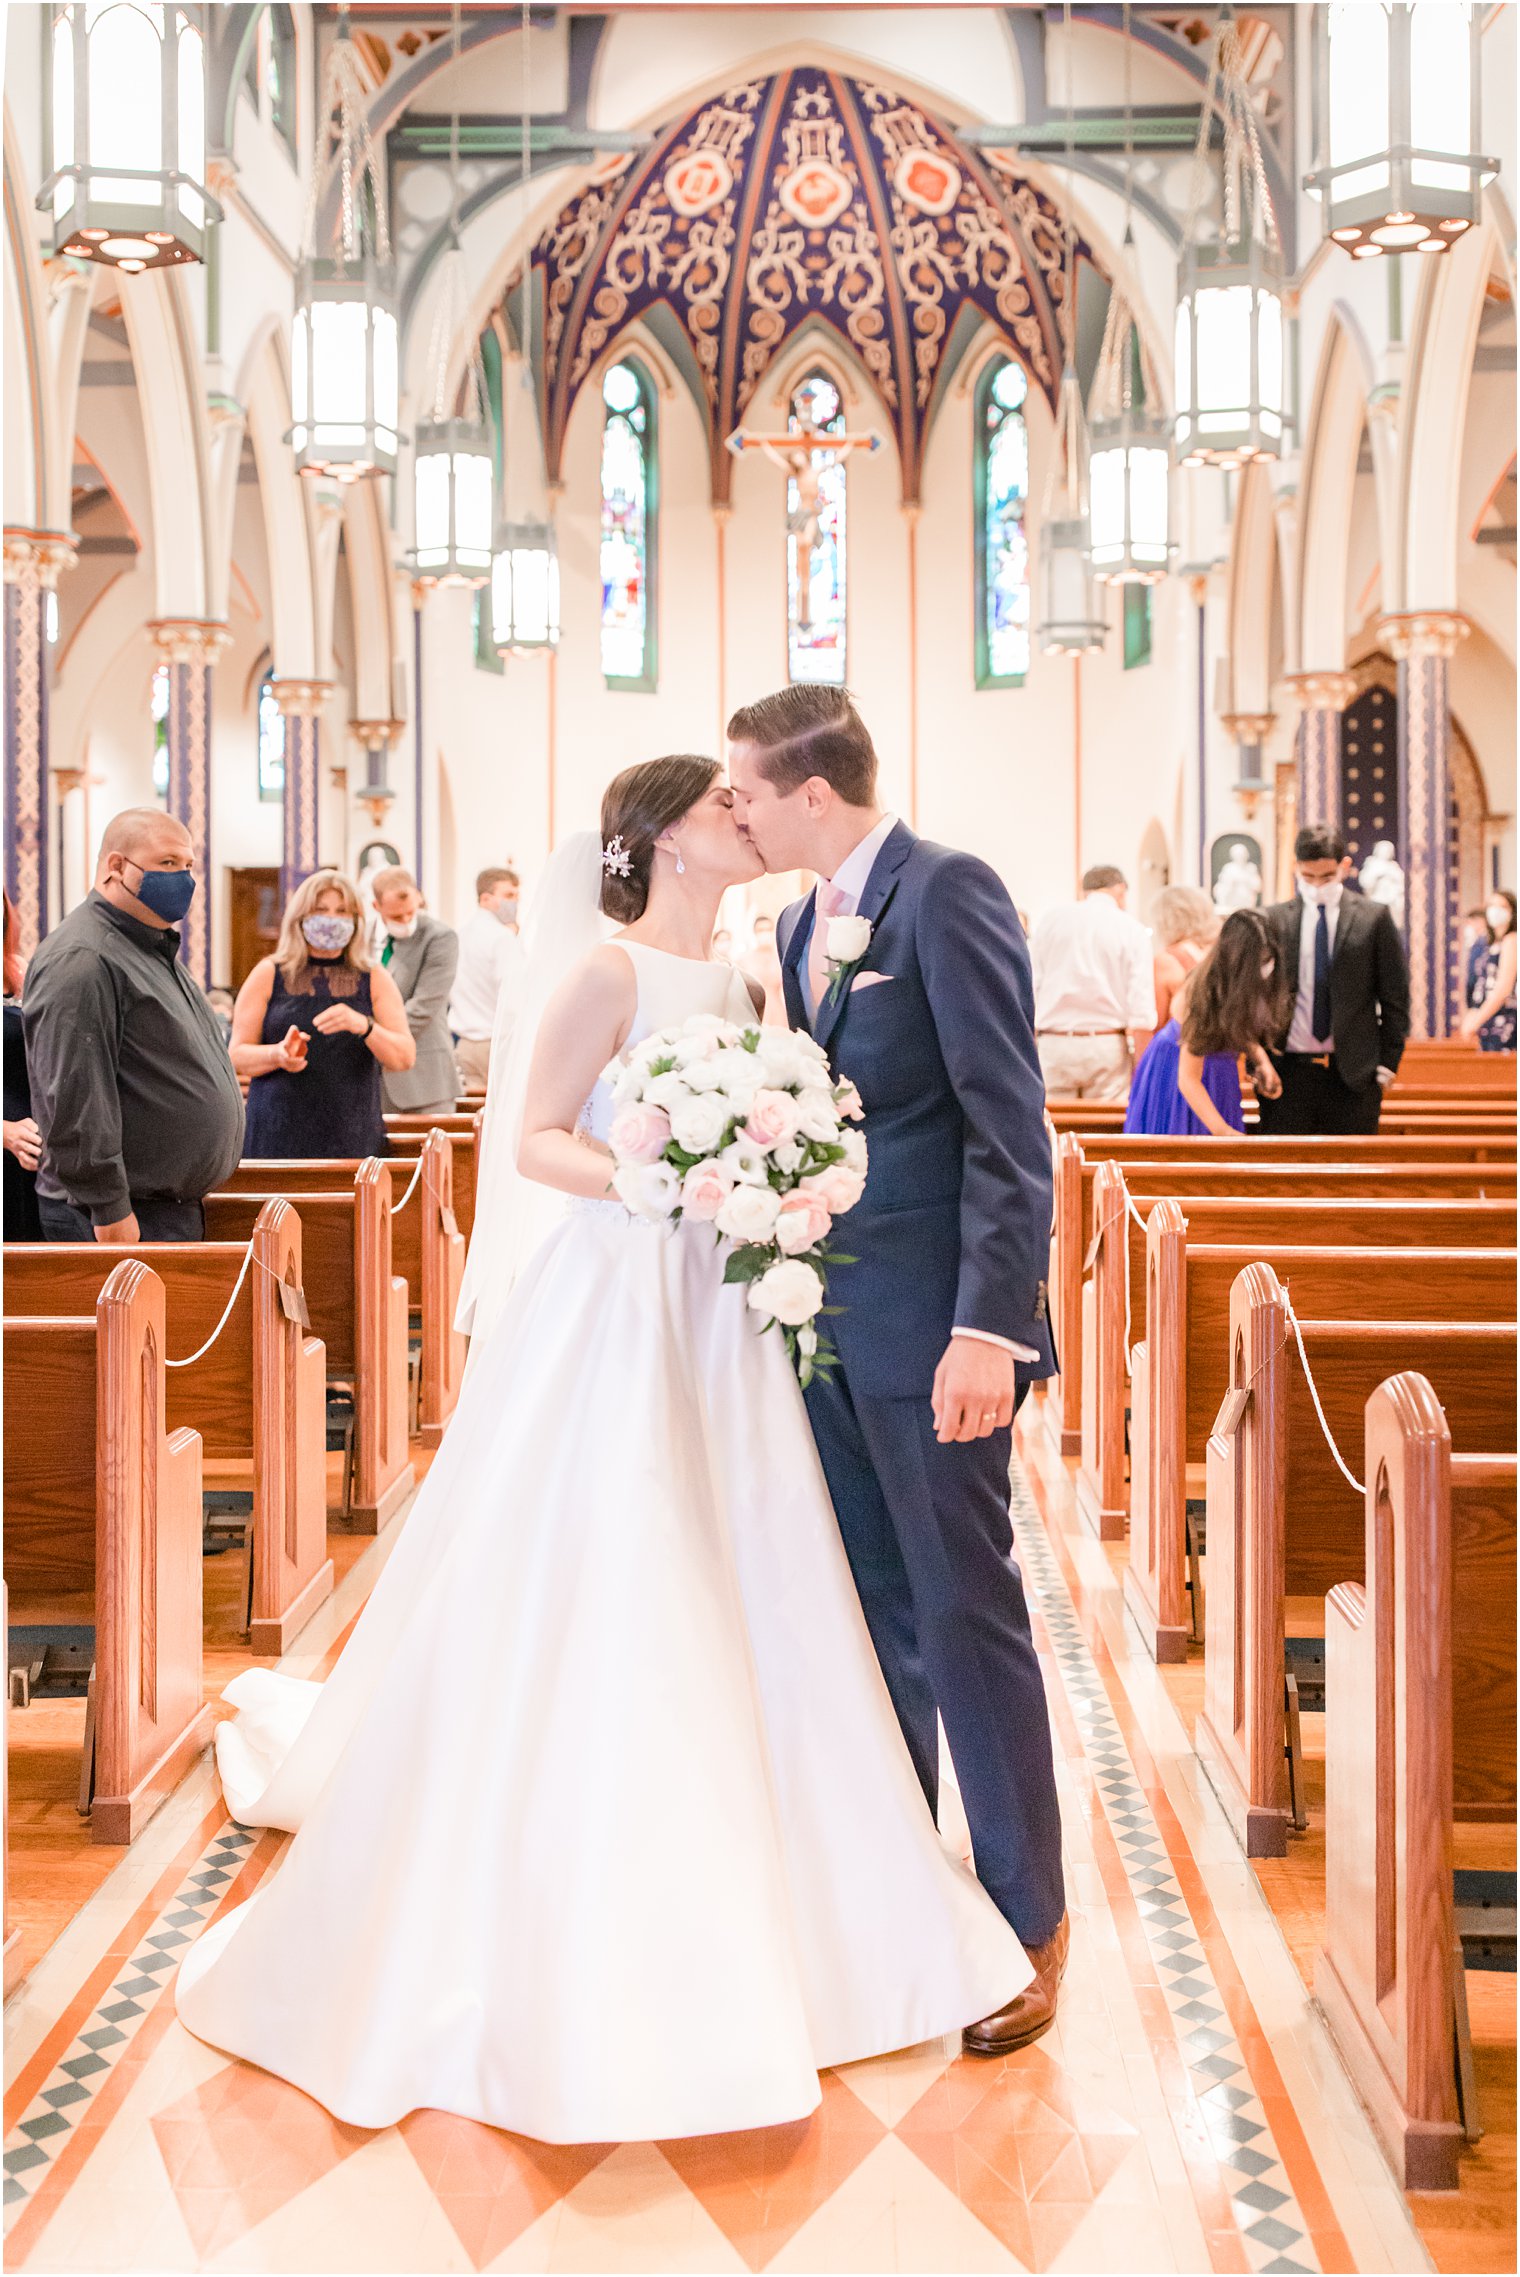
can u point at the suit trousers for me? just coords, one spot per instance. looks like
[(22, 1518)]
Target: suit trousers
[(1315, 1103), (930, 1543), (156, 1221)]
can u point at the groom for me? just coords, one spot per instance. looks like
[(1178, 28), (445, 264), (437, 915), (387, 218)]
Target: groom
[(927, 1007)]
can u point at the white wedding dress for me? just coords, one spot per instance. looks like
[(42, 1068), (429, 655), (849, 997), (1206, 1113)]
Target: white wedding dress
[(605, 1830)]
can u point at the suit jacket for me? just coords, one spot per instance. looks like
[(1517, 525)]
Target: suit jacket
[(953, 1229), (423, 970), (1369, 983)]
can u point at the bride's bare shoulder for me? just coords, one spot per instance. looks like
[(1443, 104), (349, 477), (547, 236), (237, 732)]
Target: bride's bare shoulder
[(604, 979)]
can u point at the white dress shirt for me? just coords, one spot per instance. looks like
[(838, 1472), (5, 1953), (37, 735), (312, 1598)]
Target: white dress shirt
[(488, 952), (1301, 1036), (1093, 970), (849, 882)]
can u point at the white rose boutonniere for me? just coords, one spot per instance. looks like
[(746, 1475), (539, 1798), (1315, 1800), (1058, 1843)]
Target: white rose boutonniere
[(845, 942)]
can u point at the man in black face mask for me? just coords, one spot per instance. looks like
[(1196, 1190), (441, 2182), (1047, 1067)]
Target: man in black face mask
[(132, 1087)]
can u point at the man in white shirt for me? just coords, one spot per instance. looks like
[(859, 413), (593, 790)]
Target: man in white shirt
[(1094, 990), (490, 956)]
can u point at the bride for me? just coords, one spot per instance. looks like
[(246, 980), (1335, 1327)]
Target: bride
[(604, 1826)]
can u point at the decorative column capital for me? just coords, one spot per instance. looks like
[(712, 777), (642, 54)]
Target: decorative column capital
[(43, 554), (1320, 691), (301, 699), (189, 640), (1248, 727), (377, 734), (1423, 632)]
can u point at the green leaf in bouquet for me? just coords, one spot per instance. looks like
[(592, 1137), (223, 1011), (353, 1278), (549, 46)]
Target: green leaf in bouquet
[(750, 1040), (747, 1263), (835, 1257)]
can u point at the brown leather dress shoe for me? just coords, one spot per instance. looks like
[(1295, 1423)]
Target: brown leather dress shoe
[(1033, 2011)]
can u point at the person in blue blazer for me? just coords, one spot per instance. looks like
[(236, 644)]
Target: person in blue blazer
[(909, 965)]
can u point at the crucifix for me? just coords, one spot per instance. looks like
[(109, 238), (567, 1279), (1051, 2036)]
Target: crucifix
[(797, 455)]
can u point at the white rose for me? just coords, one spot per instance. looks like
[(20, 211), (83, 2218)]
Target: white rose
[(650, 1189), (749, 1214), (739, 1076), (749, 1165), (627, 1083), (854, 1144), (846, 939), (787, 1157), (698, 1121), (696, 1044), (790, 1292), (807, 1342), (666, 1091), (702, 1024), (781, 1058), (702, 1074), (817, 1117)]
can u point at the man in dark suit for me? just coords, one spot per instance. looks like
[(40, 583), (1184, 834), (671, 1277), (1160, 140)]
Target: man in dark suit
[(1350, 1020), (909, 964)]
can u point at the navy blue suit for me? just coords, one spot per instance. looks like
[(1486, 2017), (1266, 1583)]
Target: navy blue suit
[(953, 1231)]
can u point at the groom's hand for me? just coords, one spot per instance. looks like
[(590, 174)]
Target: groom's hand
[(973, 1390)]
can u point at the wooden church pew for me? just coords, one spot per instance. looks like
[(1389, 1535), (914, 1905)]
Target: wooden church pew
[(427, 1248), (1419, 1740), (1250, 1180), (463, 1146), (358, 1307), (1284, 1524), (258, 1395), (103, 1507), (1362, 1209), (1180, 1372)]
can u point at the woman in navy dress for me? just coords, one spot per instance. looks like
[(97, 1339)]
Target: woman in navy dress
[(1232, 1004), (1491, 982), (313, 1027)]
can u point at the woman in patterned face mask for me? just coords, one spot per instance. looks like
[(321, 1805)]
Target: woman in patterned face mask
[(313, 1026)]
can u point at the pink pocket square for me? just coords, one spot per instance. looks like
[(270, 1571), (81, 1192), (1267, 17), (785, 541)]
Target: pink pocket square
[(870, 980)]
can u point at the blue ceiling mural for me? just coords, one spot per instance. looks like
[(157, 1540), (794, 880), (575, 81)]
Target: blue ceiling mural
[(802, 199)]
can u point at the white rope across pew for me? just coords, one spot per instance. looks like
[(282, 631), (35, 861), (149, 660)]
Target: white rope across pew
[(226, 1316), (411, 1189), (1340, 1464)]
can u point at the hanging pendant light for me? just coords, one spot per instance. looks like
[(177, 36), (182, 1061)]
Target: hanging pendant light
[(1129, 470), (1398, 124), (1071, 617), (127, 128), (452, 469), (1229, 343), (525, 569), (344, 348)]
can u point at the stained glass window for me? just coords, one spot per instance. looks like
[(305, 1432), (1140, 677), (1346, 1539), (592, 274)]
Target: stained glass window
[(271, 742), (159, 706), (628, 527), (815, 539), (1002, 541)]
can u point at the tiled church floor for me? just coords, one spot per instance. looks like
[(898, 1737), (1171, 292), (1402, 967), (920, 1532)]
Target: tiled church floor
[(1186, 2113)]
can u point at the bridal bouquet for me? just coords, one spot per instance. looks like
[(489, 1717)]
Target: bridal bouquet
[(744, 1129)]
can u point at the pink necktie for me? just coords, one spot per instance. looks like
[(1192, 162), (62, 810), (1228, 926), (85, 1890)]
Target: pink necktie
[(829, 904)]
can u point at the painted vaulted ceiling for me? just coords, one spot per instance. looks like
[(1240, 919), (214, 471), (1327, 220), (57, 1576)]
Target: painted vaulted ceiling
[(794, 201)]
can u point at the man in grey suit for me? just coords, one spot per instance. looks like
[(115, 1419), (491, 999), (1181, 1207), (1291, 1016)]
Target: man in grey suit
[(420, 955)]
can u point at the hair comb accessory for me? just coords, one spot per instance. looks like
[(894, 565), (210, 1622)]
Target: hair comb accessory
[(616, 860)]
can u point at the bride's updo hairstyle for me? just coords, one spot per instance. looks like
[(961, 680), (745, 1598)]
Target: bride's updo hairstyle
[(638, 807)]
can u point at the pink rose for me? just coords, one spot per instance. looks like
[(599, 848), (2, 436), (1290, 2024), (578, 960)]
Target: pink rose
[(804, 1221), (705, 1189), (772, 1120), (640, 1133), (838, 1187)]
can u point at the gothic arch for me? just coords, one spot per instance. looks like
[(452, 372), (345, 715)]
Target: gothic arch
[(1443, 338), (1336, 418)]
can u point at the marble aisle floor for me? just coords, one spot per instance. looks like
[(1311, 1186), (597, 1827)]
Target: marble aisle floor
[(1187, 2112)]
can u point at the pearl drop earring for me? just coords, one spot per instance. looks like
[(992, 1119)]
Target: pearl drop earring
[(680, 865)]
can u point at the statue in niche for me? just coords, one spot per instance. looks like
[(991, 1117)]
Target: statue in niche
[(1238, 885), (1382, 879)]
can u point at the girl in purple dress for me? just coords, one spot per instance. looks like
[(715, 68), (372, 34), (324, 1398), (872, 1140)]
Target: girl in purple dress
[(1231, 1005)]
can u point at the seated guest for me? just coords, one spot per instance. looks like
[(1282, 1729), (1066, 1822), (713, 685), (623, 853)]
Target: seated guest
[(312, 1029), (1344, 962), (1094, 998), (1231, 1003), (1474, 952), (420, 955), (1491, 981), (133, 1091), (1184, 926), (490, 959), (23, 1140)]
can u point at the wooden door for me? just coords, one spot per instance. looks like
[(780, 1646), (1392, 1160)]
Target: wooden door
[(255, 919)]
